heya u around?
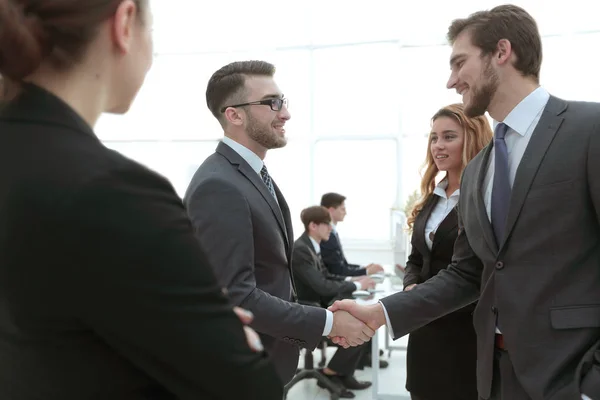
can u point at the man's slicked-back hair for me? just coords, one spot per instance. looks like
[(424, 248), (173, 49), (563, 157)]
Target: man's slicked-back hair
[(226, 86)]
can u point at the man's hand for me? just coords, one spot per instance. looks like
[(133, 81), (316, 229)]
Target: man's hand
[(374, 268), (365, 282), (251, 336), (372, 315), (410, 287), (353, 331)]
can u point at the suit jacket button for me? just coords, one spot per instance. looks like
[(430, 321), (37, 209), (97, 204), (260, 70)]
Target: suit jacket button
[(499, 265)]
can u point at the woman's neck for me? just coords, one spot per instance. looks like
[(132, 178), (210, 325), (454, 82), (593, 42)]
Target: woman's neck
[(453, 178), (80, 89)]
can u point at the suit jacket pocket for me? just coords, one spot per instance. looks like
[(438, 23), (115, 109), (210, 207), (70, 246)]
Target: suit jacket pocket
[(573, 317), (551, 189)]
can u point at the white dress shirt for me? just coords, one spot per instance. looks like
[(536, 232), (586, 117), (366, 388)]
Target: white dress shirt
[(521, 122), (248, 155), (256, 164), (441, 210)]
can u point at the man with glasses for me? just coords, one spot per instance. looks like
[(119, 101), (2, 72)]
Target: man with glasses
[(243, 222)]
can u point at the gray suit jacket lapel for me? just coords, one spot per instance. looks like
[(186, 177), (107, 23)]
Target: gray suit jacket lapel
[(420, 224), (539, 143), (482, 216), (246, 170)]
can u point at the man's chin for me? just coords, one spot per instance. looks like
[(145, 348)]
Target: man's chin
[(277, 144), (474, 110)]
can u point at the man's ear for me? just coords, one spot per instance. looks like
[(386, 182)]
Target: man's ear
[(503, 51), (234, 116)]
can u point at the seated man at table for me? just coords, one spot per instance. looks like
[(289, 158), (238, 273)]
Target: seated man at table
[(316, 285)]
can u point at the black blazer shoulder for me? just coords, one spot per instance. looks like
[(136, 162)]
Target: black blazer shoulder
[(440, 255), (101, 260)]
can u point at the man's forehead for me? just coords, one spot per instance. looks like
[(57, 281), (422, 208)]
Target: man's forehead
[(462, 47), (262, 85)]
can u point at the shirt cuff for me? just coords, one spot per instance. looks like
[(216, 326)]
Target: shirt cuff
[(358, 285), (584, 397), (328, 323), (388, 323), (348, 278)]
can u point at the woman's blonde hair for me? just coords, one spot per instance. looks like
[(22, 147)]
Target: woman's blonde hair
[(477, 134)]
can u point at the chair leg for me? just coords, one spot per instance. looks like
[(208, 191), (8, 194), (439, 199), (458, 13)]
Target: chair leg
[(333, 389), (323, 355), (305, 374)]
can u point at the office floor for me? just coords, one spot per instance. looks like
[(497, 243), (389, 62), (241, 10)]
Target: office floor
[(391, 379)]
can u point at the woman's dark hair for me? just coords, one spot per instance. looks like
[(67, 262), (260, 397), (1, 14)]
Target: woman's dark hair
[(32, 31)]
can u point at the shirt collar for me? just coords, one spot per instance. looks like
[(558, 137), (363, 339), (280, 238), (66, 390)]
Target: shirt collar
[(248, 155), (441, 187), (315, 245), (524, 114)]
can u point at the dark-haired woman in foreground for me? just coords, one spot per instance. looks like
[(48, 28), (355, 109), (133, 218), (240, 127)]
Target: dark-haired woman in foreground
[(104, 291)]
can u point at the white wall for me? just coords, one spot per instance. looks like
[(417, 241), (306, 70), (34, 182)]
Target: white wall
[(363, 81)]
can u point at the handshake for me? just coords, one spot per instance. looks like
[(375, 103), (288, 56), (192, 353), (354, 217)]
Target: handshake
[(354, 324)]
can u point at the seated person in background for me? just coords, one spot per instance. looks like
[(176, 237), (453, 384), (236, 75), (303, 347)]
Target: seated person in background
[(331, 249), (441, 356), (335, 261), (317, 285)]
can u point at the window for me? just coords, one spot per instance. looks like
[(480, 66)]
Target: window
[(365, 171), (570, 66), (426, 71), (291, 169), (339, 22), (192, 26), (356, 90)]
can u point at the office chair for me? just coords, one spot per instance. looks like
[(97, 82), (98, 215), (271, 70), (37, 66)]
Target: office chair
[(309, 371)]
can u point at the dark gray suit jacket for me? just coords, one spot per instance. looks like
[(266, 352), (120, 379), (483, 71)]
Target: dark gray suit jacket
[(541, 286), (248, 238), (314, 282)]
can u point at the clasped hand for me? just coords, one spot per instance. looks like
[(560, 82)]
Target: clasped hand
[(354, 324)]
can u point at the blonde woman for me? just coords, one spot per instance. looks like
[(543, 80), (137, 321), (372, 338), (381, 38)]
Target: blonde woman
[(441, 356)]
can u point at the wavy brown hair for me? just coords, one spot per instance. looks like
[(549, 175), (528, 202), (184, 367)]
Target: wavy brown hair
[(477, 134)]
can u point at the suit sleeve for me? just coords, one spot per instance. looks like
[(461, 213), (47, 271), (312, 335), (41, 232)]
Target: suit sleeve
[(449, 290), (335, 263), (229, 243), (413, 266), (308, 273), (143, 284)]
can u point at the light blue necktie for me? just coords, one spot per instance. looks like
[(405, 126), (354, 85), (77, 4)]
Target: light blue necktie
[(501, 189)]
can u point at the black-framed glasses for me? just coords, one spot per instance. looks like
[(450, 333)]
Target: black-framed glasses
[(276, 104)]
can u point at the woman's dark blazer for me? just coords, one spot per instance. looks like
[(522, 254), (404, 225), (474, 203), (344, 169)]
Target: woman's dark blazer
[(441, 356), (105, 292)]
